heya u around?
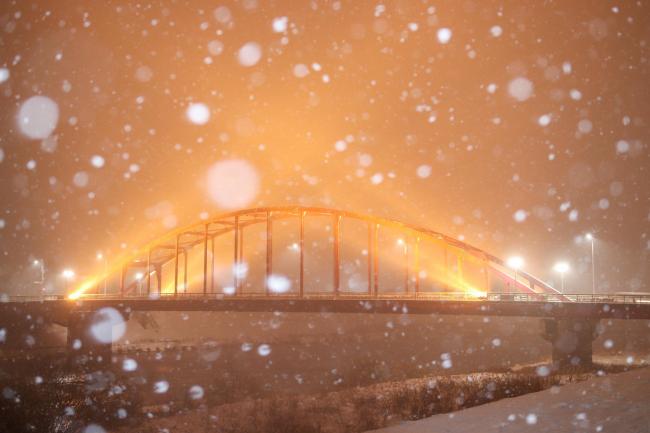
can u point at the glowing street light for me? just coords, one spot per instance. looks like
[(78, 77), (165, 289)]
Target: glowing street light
[(405, 251), (68, 275), (41, 265), (138, 277), (590, 237), (561, 268), (102, 257), (402, 243), (516, 263)]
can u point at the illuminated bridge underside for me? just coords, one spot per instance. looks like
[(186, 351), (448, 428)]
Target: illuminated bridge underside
[(306, 252), (574, 307)]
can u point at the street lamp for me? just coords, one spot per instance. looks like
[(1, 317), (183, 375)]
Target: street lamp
[(41, 265), (68, 275), (138, 277), (101, 256), (404, 244), (561, 268), (516, 263), (592, 239)]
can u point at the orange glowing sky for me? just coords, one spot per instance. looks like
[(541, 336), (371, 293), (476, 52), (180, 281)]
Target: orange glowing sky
[(355, 105)]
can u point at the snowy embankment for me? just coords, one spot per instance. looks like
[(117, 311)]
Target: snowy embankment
[(616, 403)]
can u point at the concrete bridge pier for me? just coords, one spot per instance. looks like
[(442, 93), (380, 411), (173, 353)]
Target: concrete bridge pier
[(84, 348), (571, 340)]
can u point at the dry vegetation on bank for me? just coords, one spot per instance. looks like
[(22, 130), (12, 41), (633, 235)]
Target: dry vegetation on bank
[(357, 409)]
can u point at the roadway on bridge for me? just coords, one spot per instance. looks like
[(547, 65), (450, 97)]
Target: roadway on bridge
[(523, 305)]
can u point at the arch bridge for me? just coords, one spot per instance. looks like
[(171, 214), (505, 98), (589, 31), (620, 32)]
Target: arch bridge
[(306, 259), (308, 252)]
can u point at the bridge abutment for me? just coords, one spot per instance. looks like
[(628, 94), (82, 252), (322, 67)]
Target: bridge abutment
[(571, 341)]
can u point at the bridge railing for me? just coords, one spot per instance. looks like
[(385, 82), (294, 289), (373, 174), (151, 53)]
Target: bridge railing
[(30, 298), (581, 298), (422, 296)]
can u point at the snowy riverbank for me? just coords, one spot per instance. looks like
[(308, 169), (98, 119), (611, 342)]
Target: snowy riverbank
[(615, 403)]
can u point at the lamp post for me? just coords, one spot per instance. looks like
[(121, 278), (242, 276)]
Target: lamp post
[(101, 256), (404, 246), (138, 277), (68, 275), (41, 265), (591, 238), (561, 268), (515, 263)]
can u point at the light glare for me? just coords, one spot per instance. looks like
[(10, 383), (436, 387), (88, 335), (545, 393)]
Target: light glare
[(561, 267), (515, 262)]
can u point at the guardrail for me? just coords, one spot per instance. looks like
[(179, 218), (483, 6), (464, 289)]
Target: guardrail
[(424, 296), (579, 298), (30, 298)]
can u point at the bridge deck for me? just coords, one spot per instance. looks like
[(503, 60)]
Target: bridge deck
[(523, 305)]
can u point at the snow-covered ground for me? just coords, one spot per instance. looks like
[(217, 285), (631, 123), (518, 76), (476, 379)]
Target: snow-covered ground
[(618, 403)]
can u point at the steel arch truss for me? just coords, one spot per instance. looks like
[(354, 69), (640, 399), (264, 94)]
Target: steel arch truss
[(311, 252)]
